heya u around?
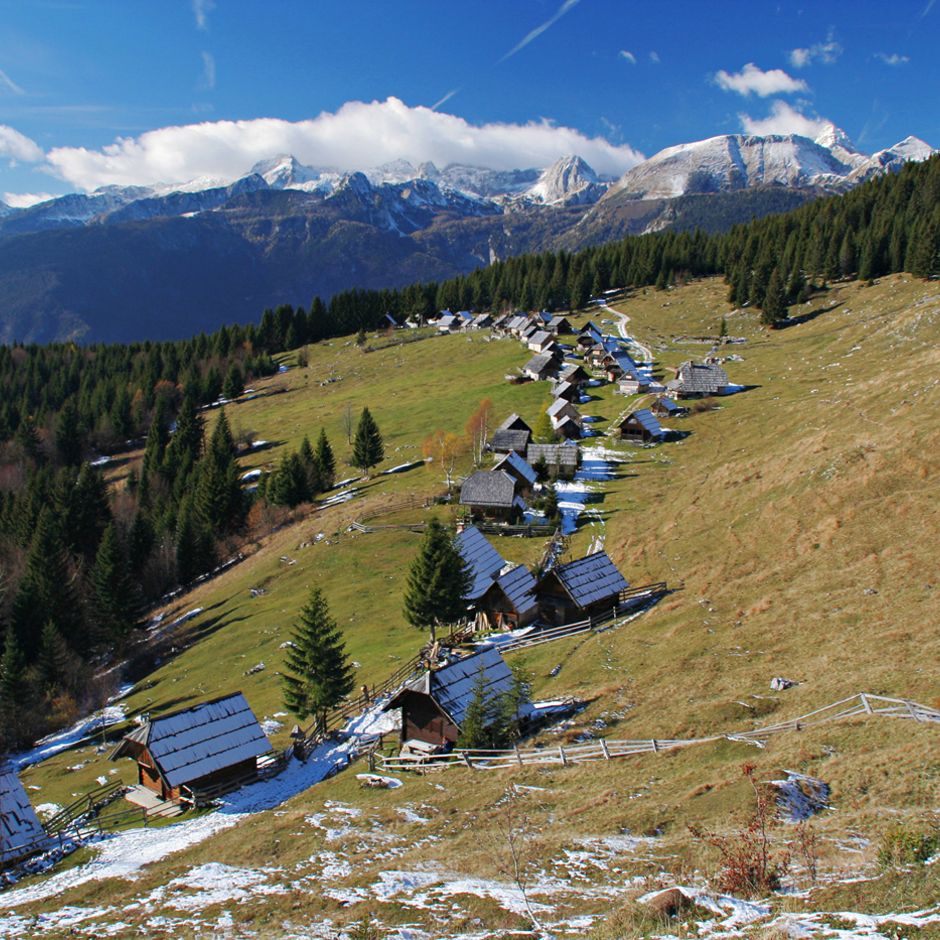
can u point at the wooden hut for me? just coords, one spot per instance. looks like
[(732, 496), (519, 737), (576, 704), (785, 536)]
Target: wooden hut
[(540, 341), (667, 408), (505, 440), (640, 425), (698, 380), (575, 374), (568, 428), (509, 601), (21, 832), (541, 367), (492, 495), (483, 562), (569, 391), (214, 743), (518, 468), (561, 460), (560, 409), (580, 589), (434, 706), (514, 423)]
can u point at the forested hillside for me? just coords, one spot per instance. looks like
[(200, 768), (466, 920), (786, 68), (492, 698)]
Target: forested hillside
[(80, 560)]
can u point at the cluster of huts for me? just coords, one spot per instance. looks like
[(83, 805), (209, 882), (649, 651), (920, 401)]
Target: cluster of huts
[(500, 493)]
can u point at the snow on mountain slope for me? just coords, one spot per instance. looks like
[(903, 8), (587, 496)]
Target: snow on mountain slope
[(731, 162), (891, 159), (568, 181)]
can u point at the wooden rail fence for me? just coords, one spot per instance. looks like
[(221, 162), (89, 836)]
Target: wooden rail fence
[(862, 705)]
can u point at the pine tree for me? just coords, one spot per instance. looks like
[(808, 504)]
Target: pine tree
[(56, 663), (368, 449), (113, 594), (543, 432), (438, 582), (68, 435), (550, 502), (311, 468), (475, 728), (234, 382), (14, 695), (318, 672), (775, 300), (219, 500)]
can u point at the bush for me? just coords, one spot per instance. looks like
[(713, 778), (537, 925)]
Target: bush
[(904, 845)]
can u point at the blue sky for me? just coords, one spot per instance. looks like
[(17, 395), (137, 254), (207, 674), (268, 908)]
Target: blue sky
[(93, 93)]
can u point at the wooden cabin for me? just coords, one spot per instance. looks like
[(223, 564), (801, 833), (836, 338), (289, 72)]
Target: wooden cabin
[(568, 428), (518, 468), (506, 440), (216, 742), (559, 324), (667, 408), (21, 832), (568, 391), (580, 589), (509, 602), (434, 706), (483, 562), (492, 495), (698, 380), (514, 423), (560, 409), (449, 323), (640, 426), (540, 341), (541, 367), (575, 374), (589, 336), (561, 460)]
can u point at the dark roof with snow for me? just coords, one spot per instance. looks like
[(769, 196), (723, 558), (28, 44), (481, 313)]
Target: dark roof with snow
[(19, 825), (506, 440), (482, 560), (488, 488), (519, 587), (646, 419), (519, 465), (193, 742), (564, 455), (590, 579)]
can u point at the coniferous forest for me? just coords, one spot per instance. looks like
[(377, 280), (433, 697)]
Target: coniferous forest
[(79, 563)]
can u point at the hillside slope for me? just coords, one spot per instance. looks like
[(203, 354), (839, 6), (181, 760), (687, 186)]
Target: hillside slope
[(797, 524)]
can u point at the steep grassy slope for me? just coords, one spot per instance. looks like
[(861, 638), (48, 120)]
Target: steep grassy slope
[(797, 523)]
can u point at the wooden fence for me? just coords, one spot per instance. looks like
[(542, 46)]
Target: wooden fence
[(863, 705)]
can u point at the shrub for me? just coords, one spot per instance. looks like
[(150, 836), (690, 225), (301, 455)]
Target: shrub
[(749, 865), (904, 845)]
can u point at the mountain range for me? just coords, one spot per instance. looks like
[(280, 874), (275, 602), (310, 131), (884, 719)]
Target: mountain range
[(126, 263)]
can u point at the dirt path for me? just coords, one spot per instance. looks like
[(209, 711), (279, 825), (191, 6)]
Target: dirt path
[(622, 321)]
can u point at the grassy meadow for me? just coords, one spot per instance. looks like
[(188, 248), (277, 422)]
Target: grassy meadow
[(796, 522)]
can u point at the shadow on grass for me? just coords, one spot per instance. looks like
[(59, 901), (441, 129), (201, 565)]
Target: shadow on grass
[(807, 317)]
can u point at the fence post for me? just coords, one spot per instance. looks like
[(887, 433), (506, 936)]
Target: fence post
[(564, 760), (865, 703), (604, 749), (655, 746), (466, 759), (515, 747)]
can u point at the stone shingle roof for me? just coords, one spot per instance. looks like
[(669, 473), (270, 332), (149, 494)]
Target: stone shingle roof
[(488, 488)]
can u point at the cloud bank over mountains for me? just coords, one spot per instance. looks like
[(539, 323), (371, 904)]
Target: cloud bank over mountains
[(357, 136)]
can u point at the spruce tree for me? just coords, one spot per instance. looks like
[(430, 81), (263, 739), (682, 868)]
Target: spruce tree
[(318, 674), (775, 300), (368, 449), (325, 461), (56, 663), (550, 502), (438, 582), (14, 695), (311, 468), (114, 613), (234, 382), (68, 435), (218, 499)]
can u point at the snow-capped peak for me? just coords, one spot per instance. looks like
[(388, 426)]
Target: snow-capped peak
[(567, 181), (832, 137)]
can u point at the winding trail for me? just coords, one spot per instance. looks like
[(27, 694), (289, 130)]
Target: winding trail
[(622, 321)]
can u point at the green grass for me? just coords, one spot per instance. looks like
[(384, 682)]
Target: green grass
[(797, 523)]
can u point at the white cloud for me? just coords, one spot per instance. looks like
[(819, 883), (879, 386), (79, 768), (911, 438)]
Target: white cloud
[(826, 52), (535, 33), (357, 136), (752, 79), (208, 71), (784, 119), (654, 57), (25, 200), (201, 11), (8, 85), (18, 146), (893, 59), (628, 56)]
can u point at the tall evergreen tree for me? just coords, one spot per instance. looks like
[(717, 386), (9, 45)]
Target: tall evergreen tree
[(318, 674), (775, 300), (114, 614), (438, 582), (68, 434), (311, 468), (325, 461), (368, 449), (56, 664), (219, 500)]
